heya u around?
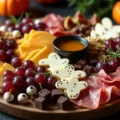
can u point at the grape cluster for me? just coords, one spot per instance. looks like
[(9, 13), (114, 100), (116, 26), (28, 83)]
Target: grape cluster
[(7, 50), (25, 26), (113, 50), (25, 76)]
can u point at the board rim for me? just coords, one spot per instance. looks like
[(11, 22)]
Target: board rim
[(108, 108)]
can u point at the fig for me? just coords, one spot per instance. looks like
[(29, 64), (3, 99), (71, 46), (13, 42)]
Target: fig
[(79, 18), (94, 19), (79, 15), (68, 23)]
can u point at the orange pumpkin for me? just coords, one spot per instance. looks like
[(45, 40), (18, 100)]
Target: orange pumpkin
[(47, 1), (116, 12), (13, 7)]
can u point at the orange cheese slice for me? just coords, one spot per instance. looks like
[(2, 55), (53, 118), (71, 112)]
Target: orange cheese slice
[(30, 56), (35, 46)]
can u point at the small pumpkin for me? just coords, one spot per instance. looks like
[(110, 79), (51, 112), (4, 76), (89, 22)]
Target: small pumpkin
[(47, 1), (13, 7), (116, 12)]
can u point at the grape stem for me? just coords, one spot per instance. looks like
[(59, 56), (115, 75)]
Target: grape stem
[(40, 86), (105, 58), (47, 74)]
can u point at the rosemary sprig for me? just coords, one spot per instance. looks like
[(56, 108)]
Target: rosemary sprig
[(100, 7), (114, 54)]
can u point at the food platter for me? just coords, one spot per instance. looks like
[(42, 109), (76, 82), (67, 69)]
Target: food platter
[(42, 63), (31, 113)]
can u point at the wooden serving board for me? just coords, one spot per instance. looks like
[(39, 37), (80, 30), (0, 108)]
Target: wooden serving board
[(31, 113)]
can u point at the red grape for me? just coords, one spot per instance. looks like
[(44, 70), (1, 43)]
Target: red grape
[(41, 69), (118, 40), (114, 64), (11, 44), (2, 45), (18, 82), (51, 82), (10, 53), (101, 65), (27, 28), (20, 72), (29, 72), (7, 78), (118, 59), (40, 79), (117, 46), (19, 26), (26, 20), (3, 55), (28, 64), (8, 73), (111, 44), (16, 62), (40, 26), (10, 28), (30, 81), (7, 87), (9, 23)]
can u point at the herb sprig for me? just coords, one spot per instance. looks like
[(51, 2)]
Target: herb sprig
[(100, 7)]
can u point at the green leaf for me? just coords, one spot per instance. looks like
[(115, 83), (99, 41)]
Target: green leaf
[(101, 7), (13, 19), (16, 20), (20, 18)]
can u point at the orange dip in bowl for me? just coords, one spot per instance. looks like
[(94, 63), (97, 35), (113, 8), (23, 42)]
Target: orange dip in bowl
[(70, 45)]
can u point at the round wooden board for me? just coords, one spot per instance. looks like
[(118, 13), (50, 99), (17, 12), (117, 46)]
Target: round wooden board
[(31, 113)]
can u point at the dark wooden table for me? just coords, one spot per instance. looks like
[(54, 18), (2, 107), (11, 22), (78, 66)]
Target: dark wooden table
[(39, 10)]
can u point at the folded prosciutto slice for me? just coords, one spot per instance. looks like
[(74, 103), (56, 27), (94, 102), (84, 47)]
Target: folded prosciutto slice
[(55, 25), (102, 87), (53, 20)]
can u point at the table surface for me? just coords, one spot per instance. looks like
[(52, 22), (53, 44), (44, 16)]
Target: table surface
[(38, 10)]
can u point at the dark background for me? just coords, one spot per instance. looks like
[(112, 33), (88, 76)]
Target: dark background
[(39, 10)]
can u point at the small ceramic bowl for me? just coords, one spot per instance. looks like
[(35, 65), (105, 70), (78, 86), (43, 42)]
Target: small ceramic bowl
[(73, 56)]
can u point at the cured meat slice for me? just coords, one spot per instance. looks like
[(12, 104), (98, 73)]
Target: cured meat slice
[(101, 89), (55, 25), (110, 78), (58, 32), (53, 20)]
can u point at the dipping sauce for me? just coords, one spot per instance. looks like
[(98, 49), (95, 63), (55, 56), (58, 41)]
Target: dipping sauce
[(70, 45)]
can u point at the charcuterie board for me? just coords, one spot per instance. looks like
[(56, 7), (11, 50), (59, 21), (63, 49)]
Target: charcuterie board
[(30, 113), (61, 67)]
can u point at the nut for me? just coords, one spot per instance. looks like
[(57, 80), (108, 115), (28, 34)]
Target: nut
[(96, 46)]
